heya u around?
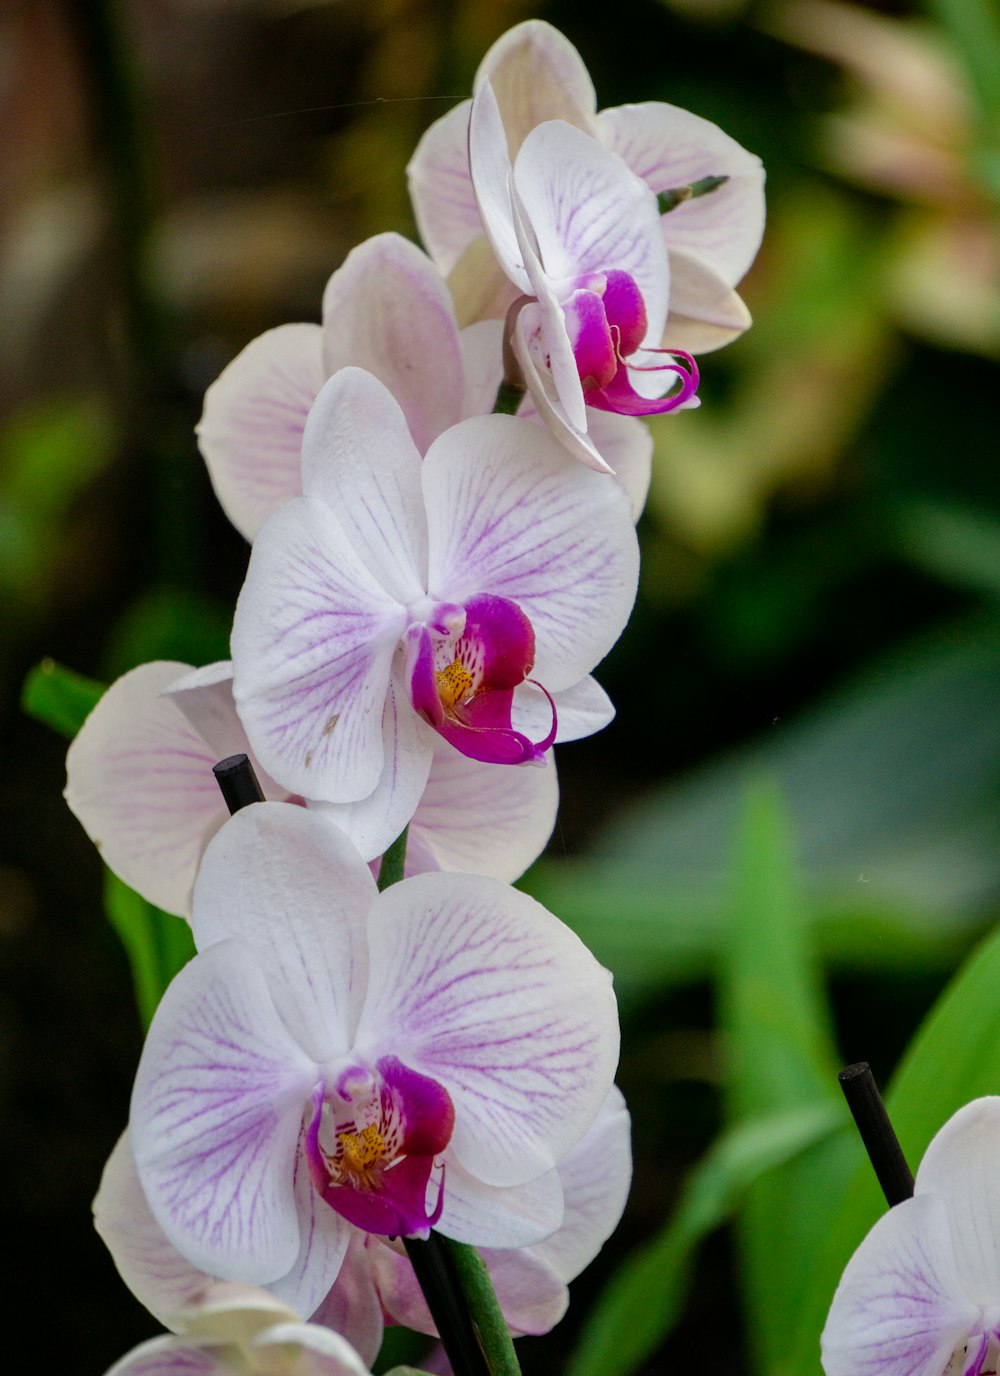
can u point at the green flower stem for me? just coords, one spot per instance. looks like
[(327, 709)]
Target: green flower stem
[(677, 195), (452, 1275), (509, 397)]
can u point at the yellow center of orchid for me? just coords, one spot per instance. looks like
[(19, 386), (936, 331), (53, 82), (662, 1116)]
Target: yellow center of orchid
[(453, 684), (359, 1152)]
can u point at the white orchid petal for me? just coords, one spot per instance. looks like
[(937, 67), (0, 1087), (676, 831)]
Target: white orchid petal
[(551, 412), (290, 885), (537, 75), (388, 310), (533, 1299), (313, 641), (542, 325), (962, 1167), (669, 147), (302, 1349), (250, 432), (705, 312), (580, 710), (440, 183), (373, 823), (595, 1176), (491, 176), (156, 1273), (359, 458), (477, 986), (479, 287), (485, 818), (590, 213), (488, 1216), (482, 366), (324, 1238), (524, 523), (352, 1305), (168, 1356), (216, 1113), (626, 445), (139, 778), (900, 1308)]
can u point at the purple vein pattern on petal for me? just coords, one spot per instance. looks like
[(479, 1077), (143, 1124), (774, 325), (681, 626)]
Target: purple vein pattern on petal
[(171, 1357), (285, 882), (216, 1113), (139, 778), (537, 75), (479, 987), (524, 522), (359, 458), (899, 1309), (313, 640), (491, 1216), (323, 1241), (388, 310), (444, 203), (250, 432)]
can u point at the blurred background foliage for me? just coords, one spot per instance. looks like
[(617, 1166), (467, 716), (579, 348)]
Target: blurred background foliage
[(787, 843)]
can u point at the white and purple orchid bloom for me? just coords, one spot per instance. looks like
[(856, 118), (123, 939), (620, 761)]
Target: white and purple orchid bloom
[(239, 1330), (921, 1295), (537, 75), (139, 778), (578, 234), (386, 309), (376, 1281), (336, 1059), (472, 588)]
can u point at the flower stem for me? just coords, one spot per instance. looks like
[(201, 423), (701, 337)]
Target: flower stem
[(509, 398), (393, 862), (677, 195), (877, 1133)]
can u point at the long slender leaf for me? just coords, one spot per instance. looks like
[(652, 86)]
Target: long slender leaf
[(156, 943), (58, 697), (641, 1305)]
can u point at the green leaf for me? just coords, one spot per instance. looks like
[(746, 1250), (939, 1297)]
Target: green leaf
[(954, 1057), (780, 1058), (974, 28), (156, 943), (643, 1302), (959, 545), (59, 697)]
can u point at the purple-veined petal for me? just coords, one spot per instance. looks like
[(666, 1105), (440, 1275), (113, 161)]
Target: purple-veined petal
[(139, 778), (373, 823), (157, 1274), (900, 1308), (668, 147), (313, 641), (482, 363), (962, 1167), (352, 1306), (537, 75), (444, 203), (479, 987), (547, 403), (302, 1349), (490, 165), (169, 1356), (359, 458), (591, 214), (492, 1216), (483, 818), (216, 1113), (524, 523), (626, 444), (250, 432), (595, 1176), (388, 310), (290, 885), (324, 1238), (580, 710), (705, 312)]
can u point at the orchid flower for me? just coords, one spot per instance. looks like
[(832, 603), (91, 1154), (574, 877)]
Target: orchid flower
[(139, 779), (921, 1295), (386, 309), (239, 1330), (336, 1059), (376, 1279), (449, 581), (537, 75), (578, 233)]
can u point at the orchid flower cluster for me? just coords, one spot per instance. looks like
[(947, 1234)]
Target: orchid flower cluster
[(440, 484)]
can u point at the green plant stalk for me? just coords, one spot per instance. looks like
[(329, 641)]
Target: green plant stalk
[(452, 1275)]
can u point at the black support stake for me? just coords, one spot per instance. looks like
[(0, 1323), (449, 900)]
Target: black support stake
[(238, 782), (881, 1142)]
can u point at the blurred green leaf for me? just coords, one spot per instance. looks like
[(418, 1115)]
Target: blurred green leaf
[(643, 1301), (59, 697), (974, 28), (157, 944), (954, 1057), (169, 623), (780, 1058), (961, 546)]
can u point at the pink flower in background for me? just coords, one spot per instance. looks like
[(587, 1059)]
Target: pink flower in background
[(921, 1295), (334, 1058), (537, 75), (449, 581)]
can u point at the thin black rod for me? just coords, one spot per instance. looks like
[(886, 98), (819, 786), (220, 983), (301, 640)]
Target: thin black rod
[(881, 1142), (435, 1273), (238, 782)]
